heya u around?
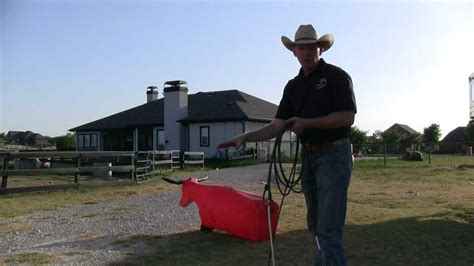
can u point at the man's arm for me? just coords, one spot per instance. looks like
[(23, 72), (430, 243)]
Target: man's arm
[(333, 120), (264, 133)]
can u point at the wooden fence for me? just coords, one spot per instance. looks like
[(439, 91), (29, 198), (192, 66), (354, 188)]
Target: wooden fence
[(74, 163), (138, 166)]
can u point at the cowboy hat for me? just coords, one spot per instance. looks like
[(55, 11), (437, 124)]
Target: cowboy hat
[(307, 34)]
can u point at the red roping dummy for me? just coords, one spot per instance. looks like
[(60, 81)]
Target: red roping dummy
[(239, 213)]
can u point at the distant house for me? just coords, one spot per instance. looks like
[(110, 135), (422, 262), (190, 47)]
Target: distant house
[(2, 142), (27, 138), (402, 130), (456, 135), (178, 121), (453, 142)]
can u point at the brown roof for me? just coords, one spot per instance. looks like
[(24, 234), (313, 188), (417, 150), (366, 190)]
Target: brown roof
[(230, 105), (456, 135), (397, 127)]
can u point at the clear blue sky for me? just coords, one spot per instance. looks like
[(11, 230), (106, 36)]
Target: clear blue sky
[(66, 63)]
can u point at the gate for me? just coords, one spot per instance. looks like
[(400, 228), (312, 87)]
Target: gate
[(143, 165)]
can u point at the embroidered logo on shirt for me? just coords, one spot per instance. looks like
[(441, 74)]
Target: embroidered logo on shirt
[(321, 84)]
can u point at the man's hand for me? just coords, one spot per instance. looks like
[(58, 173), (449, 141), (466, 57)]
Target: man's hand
[(235, 142), (296, 124)]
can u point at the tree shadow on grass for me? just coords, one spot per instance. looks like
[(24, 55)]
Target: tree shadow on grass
[(433, 240)]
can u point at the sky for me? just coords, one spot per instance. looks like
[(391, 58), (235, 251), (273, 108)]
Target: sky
[(64, 63)]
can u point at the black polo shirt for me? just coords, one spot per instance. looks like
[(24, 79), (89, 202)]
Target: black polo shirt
[(326, 90)]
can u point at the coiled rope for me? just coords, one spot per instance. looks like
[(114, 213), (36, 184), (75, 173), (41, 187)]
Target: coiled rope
[(286, 184)]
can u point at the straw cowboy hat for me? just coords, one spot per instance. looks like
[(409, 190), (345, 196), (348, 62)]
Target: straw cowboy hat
[(307, 34)]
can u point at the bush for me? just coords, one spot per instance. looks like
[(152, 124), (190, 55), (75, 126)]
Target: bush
[(413, 156)]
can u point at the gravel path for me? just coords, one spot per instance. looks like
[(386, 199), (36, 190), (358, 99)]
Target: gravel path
[(83, 234)]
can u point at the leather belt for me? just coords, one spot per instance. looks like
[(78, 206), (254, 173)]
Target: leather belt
[(314, 147)]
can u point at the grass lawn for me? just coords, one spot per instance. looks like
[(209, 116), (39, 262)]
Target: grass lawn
[(398, 215)]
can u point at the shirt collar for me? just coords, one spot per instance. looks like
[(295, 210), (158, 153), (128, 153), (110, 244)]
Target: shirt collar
[(316, 71)]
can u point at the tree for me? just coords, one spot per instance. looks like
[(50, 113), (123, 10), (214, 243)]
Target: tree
[(470, 131), (411, 138), (376, 137), (358, 136), (431, 137), (432, 134), (376, 143), (65, 143), (390, 137)]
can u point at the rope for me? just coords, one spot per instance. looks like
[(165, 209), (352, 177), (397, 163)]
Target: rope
[(285, 184)]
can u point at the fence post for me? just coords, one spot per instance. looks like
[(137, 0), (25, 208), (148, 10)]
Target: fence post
[(153, 162), (429, 156), (226, 157), (384, 154), (133, 159), (78, 164), (5, 175)]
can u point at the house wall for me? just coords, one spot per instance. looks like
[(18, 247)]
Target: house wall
[(218, 133), (288, 145), (223, 131)]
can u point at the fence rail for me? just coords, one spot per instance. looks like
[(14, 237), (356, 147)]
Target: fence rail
[(439, 155), (139, 166), (193, 158), (57, 162)]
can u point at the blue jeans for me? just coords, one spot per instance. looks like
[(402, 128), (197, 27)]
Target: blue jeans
[(325, 180)]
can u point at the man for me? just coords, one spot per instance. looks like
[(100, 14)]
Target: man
[(319, 105)]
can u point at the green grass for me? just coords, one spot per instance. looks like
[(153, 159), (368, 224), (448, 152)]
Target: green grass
[(33, 258), (18, 204), (407, 215), (435, 160), (396, 216), (4, 229)]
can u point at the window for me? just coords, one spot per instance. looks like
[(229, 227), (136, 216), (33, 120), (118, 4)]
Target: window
[(160, 139), (80, 142), (204, 136), (87, 142), (93, 142)]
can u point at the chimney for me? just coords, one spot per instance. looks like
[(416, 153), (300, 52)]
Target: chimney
[(175, 108), (151, 94)]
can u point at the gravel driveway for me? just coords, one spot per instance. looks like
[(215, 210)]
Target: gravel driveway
[(83, 234)]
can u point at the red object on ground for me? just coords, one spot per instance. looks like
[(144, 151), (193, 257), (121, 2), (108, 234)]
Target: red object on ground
[(240, 213)]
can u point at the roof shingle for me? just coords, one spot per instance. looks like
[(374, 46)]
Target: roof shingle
[(230, 105)]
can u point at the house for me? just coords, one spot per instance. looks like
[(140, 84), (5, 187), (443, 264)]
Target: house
[(2, 142), (403, 130), (27, 138), (178, 121), (453, 142)]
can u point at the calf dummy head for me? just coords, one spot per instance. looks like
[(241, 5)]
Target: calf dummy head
[(187, 189)]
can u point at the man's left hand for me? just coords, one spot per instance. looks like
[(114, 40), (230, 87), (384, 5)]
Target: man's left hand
[(297, 124)]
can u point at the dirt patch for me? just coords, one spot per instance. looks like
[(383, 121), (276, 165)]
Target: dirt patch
[(442, 169), (465, 166)]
